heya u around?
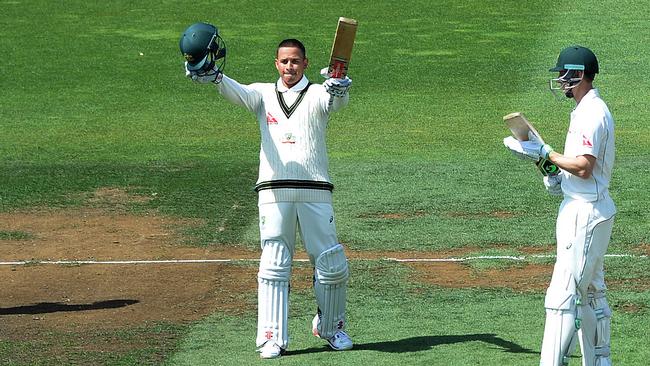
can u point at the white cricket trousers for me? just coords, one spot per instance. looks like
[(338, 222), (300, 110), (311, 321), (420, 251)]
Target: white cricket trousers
[(279, 222), (315, 221), (583, 231)]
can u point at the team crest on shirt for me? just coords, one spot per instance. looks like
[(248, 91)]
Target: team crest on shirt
[(289, 138), (270, 120), (586, 142)]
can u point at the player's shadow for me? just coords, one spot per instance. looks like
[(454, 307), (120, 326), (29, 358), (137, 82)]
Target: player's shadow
[(424, 343), (55, 307)]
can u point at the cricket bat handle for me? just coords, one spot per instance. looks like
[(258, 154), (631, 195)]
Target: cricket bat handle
[(338, 69), (547, 167)]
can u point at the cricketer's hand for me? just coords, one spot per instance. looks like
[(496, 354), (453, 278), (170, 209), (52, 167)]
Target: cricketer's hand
[(534, 148), (335, 87), (213, 75), (553, 184), (516, 148)]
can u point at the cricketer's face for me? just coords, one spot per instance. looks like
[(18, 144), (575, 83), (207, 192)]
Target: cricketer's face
[(291, 65)]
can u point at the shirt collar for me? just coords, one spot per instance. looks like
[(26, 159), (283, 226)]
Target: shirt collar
[(591, 94), (302, 84)]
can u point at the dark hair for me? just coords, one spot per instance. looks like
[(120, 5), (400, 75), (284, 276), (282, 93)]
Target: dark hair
[(589, 76), (292, 42)]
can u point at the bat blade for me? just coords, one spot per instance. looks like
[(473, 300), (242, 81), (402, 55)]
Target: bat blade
[(346, 31), (520, 127)]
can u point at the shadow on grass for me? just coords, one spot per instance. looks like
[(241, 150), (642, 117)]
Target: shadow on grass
[(424, 343), (55, 307)]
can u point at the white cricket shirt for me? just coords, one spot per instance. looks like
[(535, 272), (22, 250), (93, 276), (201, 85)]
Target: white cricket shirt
[(591, 132), (293, 122)]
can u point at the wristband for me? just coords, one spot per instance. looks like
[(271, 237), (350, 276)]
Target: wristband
[(546, 151)]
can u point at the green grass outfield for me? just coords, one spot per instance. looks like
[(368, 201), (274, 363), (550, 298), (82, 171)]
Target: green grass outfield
[(92, 94)]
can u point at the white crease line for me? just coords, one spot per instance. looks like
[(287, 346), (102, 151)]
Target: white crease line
[(497, 257), (166, 261), (194, 261)]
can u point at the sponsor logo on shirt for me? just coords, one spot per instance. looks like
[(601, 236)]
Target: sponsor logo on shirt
[(270, 120), (586, 142)]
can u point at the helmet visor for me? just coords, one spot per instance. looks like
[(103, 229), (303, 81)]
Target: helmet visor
[(565, 83)]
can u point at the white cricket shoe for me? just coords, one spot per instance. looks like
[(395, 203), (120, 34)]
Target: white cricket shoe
[(270, 349), (340, 341)]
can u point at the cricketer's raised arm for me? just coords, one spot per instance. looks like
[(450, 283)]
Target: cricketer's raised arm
[(332, 104), (246, 96)]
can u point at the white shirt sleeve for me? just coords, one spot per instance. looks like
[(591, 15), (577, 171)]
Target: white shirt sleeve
[(338, 103), (330, 104), (590, 135), (246, 96)]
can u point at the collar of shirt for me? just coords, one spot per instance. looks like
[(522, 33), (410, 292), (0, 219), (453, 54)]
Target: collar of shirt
[(591, 95), (302, 84)]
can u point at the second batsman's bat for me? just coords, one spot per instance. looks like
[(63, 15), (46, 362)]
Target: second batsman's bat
[(520, 127), (341, 53)]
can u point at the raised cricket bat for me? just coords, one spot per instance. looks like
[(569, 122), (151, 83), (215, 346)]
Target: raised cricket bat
[(341, 53), (520, 127)]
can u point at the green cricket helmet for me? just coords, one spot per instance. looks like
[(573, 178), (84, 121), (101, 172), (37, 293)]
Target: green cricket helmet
[(571, 61), (576, 58), (202, 46)]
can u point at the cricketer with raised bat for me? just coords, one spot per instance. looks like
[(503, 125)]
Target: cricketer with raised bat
[(576, 306), (294, 187)]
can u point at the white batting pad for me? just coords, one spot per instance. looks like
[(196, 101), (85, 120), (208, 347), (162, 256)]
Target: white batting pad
[(273, 294), (587, 334), (598, 302), (330, 287), (561, 313)]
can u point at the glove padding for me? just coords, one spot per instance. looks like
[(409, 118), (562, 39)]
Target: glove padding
[(214, 75), (532, 149), (535, 148), (515, 148), (553, 184), (336, 87)]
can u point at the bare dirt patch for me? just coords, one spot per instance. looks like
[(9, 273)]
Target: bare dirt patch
[(392, 215), (527, 277), (631, 307), (643, 249), (470, 215), (634, 284)]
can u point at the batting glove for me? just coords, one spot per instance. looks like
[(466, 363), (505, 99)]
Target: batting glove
[(535, 149), (213, 75), (553, 184), (336, 87), (516, 148)]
